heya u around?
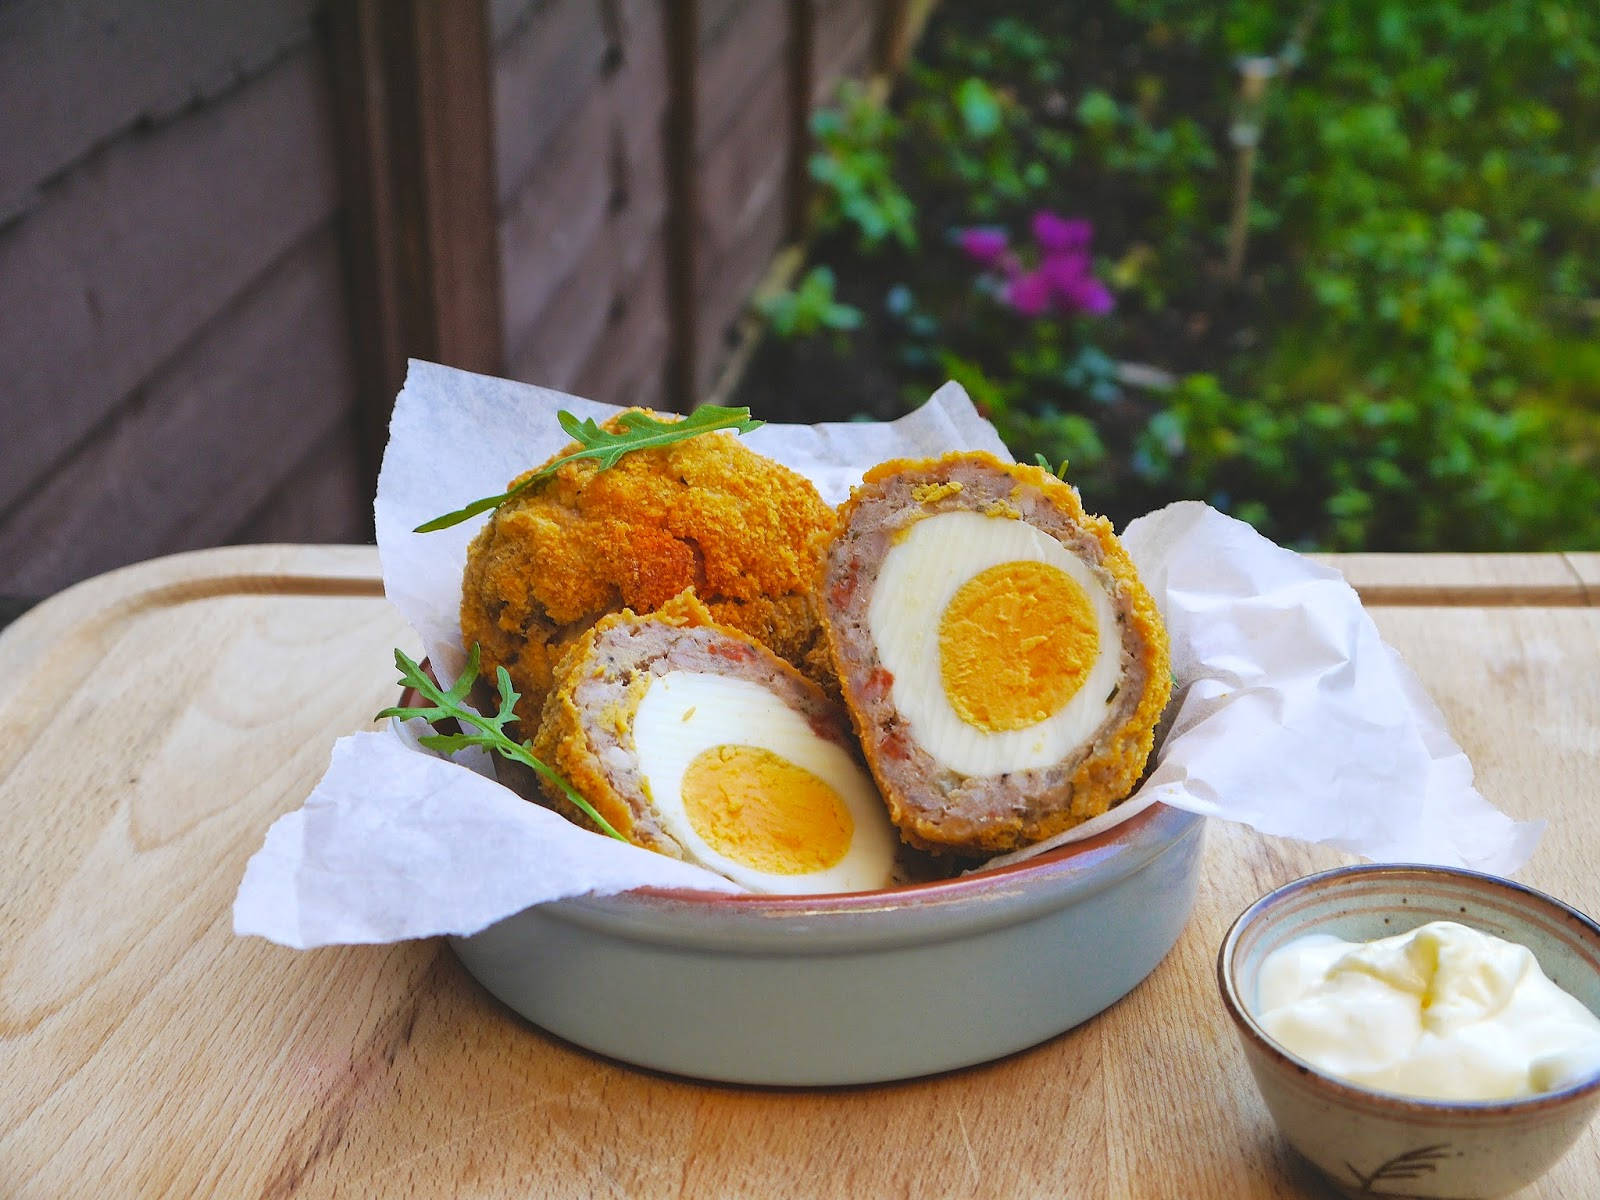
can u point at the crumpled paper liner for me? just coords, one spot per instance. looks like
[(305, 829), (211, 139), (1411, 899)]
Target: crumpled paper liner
[(1293, 716)]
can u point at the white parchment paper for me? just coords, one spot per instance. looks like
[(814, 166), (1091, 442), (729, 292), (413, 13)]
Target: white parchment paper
[(1293, 716)]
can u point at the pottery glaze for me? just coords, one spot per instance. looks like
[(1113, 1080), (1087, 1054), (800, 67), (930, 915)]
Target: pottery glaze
[(854, 988), (1371, 1143)]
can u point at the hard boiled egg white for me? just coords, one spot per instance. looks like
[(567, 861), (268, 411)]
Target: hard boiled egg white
[(1003, 644), (750, 790)]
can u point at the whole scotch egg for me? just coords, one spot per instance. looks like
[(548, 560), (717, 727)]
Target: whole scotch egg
[(695, 740), (1002, 663), (706, 513)]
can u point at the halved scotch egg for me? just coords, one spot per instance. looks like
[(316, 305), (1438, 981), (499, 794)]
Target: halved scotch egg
[(695, 740), (1003, 664)]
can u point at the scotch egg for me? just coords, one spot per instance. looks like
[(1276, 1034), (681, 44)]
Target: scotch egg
[(1002, 663), (695, 740)]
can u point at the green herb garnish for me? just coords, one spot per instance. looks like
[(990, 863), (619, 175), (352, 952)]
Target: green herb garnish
[(640, 431), (1059, 472), (492, 734)]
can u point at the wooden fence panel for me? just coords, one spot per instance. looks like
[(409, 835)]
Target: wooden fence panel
[(742, 220), (142, 245), (638, 79), (76, 73), (550, 224), (740, 56), (327, 492), (846, 35), (557, 345), (582, 233), (545, 67), (206, 441), (416, 116), (626, 364), (743, 158), (217, 256)]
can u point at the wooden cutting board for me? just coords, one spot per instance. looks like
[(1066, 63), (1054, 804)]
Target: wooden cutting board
[(157, 719)]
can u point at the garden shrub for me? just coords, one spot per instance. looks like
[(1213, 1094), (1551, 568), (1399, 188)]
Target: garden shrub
[(1409, 359)]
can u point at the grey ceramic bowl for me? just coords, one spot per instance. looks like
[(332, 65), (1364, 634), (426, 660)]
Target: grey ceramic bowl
[(853, 988), (1371, 1143)]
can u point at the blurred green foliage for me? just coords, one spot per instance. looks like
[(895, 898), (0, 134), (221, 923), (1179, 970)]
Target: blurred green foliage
[(809, 308), (1410, 358), (853, 165)]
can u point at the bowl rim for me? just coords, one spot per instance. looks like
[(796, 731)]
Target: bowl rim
[(1393, 1103), (1056, 877)]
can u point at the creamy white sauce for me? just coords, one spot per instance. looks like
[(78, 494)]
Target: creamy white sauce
[(1443, 1012)]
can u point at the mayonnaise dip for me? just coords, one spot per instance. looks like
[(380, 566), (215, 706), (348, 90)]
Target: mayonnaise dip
[(1444, 1012)]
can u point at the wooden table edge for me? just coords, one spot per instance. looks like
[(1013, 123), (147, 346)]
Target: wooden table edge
[(1534, 580), (1382, 580)]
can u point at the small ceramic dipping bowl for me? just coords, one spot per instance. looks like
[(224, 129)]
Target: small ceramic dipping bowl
[(853, 988), (1371, 1143)]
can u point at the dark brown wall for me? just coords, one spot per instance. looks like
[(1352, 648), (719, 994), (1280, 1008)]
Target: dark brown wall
[(745, 148), (581, 101), (584, 110), (174, 358), (177, 361)]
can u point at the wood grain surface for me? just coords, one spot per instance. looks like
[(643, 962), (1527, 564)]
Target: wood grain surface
[(157, 719)]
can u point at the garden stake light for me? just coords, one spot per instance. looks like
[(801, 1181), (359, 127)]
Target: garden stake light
[(1245, 134), (1256, 73)]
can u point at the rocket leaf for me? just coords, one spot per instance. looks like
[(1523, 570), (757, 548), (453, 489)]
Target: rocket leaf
[(639, 431), (443, 705)]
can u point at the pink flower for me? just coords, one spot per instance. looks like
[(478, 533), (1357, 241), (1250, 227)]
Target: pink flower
[(1028, 293), (1064, 269), (1058, 235), (1090, 296), (983, 246), (1072, 284), (1063, 279)]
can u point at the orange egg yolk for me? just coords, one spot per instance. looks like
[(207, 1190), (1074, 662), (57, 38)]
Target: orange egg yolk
[(763, 811), (1015, 644)]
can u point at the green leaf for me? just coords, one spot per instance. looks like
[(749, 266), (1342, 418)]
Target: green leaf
[(979, 108), (1059, 472), (1097, 110), (810, 307), (639, 431), (491, 733), (842, 317)]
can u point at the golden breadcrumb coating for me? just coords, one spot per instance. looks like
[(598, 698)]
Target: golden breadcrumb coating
[(1108, 774), (706, 513)]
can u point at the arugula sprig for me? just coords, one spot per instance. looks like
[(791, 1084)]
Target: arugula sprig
[(492, 735), (639, 431), (1059, 472)]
